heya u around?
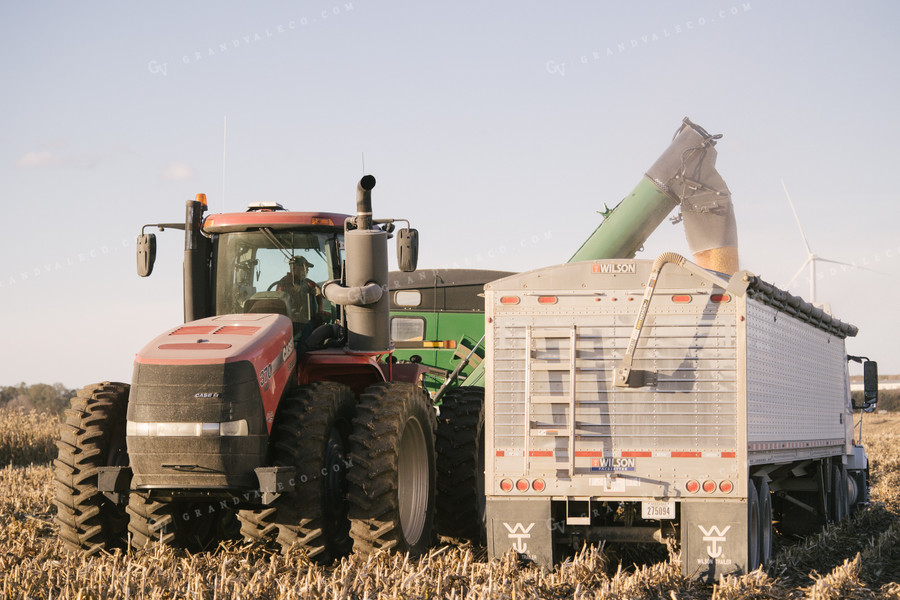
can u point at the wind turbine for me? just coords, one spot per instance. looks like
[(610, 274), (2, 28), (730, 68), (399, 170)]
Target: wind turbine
[(811, 257)]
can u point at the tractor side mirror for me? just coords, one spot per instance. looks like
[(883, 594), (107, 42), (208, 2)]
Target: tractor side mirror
[(146, 253), (870, 385), (407, 249)]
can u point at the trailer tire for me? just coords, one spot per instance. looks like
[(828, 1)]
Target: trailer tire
[(765, 520), (313, 435), (392, 480), (92, 436), (459, 449), (753, 527), (858, 484), (840, 501)]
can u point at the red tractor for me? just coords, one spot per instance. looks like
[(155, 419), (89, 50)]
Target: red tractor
[(274, 412)]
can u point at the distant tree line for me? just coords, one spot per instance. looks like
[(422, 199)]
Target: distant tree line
[(39, 397)]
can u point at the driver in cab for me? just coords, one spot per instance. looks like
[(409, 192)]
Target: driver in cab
[(304, 292)]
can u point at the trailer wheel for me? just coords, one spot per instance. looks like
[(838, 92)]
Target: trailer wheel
[(765, 520), (858, 488), (753, 527), (459, 449), (313, 434), (92, 436), (392, 480), (840, 501)]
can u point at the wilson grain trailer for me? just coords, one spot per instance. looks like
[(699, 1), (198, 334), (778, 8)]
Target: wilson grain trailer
[(641, 401)]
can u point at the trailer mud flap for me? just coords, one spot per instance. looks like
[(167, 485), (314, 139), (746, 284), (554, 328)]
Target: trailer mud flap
[(522, 524), (713, 539)]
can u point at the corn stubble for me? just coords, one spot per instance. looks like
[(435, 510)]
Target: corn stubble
[(857, 559)]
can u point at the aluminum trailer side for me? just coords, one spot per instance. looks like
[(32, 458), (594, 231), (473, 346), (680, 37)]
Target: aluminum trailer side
[(736, 411)]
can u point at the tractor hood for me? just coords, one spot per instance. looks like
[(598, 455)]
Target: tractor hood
[(263, 340)]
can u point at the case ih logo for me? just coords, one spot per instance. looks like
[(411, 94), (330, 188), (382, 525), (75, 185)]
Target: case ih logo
[(614, 268), (519, 533)]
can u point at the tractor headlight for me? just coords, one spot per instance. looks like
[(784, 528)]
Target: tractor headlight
[(144, 429)]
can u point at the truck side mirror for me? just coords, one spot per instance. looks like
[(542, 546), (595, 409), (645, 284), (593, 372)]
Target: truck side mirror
[(146, 253), (407, 249), (870, 385)]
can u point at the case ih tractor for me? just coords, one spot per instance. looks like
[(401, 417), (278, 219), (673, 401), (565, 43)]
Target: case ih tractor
[(274, 412)]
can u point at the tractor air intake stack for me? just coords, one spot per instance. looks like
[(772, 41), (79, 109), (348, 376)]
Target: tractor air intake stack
[(366, 274)]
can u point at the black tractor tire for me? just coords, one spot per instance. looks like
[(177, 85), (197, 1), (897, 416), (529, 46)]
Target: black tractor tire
[(459, 449), (258, 525), (312, 434), (195, 526), (392, 477), (92, 436)]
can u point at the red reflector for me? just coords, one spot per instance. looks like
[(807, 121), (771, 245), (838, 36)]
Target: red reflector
[(627, 454), (538, 485), (522, 485), (725, 486), (506, 485), (692, 486), (546, 299), (509, 300), (541, 453), (720, 298), (682, 298), (709, 486), (687, 455), (729, 454)]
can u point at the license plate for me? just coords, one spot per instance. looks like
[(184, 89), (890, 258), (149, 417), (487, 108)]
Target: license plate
[(658, 509)]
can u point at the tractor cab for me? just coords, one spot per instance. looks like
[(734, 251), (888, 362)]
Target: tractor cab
[(261, 269), (266, 260)]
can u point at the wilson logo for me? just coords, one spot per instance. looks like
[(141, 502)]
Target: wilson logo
[(614, 268), (612, 464)]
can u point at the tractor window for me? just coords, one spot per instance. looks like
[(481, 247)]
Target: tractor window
[(277, 272)]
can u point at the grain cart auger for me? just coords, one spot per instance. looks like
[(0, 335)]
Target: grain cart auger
[(273, 412)]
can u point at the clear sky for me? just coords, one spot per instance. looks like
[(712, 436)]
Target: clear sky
[(499, 128)]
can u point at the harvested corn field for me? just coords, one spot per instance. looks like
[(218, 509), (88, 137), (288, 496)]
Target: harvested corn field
[(860, 558)]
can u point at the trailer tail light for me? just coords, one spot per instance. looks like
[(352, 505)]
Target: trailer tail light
[(509, 300), (709, 486), (720, 298), (506, 485), (725, 486), (681, 298), (522, 485), (538, 485), (546, 299), (692, 486)]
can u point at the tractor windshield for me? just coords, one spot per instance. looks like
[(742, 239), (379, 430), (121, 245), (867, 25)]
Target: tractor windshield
[(282, 272)]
